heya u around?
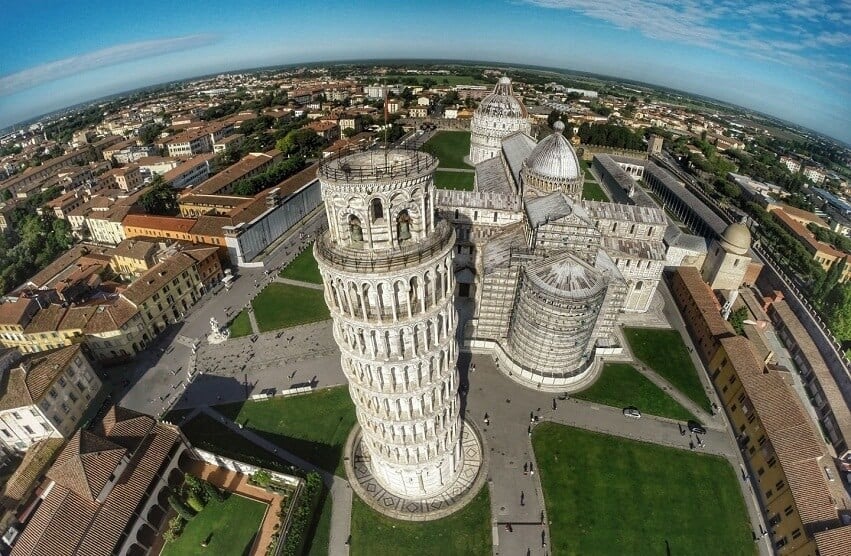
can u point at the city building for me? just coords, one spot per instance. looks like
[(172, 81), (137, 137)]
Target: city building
[(823, 253), (655, 144), (814, 174), (793, 164), (792, 474), (498, 115), (127, 178), (44, 395), (107, 492), (387, 267)]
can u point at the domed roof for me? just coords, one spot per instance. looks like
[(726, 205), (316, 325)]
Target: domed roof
[(502, 102), (566, 277), (554, 157), (736, 238)]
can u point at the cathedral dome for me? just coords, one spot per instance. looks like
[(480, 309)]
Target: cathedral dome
[(736, 239), (554, 157), (501, 102)]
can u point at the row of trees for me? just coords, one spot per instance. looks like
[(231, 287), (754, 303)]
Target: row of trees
[(271, 177), (33, 243), (611, 135)]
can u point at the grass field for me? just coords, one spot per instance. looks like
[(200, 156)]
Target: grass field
[(467, 532), (231, 526), (591, 191), (283, 305), (303, 268), (207, 434), (241, 325), (606, 495), (312, 426), (621, 385), (462, 181), (450, 147), (451, 80), (664, 352)]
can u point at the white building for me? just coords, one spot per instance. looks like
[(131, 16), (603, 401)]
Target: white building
[(498, 115), (815, 174), (45, 395)]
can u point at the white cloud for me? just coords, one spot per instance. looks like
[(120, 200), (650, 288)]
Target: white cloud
[(762, 30), (51, 71)]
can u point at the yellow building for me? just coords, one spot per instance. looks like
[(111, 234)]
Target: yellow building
[(793, 475), (133, 257)]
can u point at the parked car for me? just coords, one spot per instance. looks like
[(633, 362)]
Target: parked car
[(632, 412), (696, 427)]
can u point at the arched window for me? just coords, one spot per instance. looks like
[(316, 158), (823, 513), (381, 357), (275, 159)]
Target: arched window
[(638, 285), (355, 230), (403, 226), (377, 209)]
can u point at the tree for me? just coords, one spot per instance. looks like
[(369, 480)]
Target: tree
[(838, 306), (150, 133), (737, 319), (160, 199), (302, 142), (349, 132)]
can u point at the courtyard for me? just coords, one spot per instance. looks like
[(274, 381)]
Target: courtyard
[(608, 495), (228, 527)]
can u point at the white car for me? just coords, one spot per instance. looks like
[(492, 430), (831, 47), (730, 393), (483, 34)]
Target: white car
[(632, 412)]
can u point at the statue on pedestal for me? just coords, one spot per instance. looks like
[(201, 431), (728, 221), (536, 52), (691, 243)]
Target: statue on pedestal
[(218, 334)]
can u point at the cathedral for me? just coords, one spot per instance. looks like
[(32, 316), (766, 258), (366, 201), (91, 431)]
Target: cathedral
[(547, 272)]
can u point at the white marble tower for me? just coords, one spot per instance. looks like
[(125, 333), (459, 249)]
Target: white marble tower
[(389, 283)]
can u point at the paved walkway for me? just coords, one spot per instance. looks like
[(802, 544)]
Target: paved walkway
[(232, 481), (252, 318), (341, 494), (299, 283), (707, 419)]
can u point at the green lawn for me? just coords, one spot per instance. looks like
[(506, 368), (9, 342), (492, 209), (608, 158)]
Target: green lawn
[(462, 181), (241, 325), (450, 147), (282, 305), (233, 524), (312, 426), (664, 352), (591, 191), (621, 385), (322, 533), (303, 268), (606, 495), (466, 532)]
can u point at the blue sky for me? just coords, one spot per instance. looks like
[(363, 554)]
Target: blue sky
[(789, 59)]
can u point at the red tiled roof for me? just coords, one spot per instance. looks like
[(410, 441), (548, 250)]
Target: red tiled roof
[(151, 222)]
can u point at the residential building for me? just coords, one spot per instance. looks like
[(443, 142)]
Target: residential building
[(127, 178), (793, 164), (157, 164), (250, 165), (133, 257), (191, 172), (418, 111), (815, 174), (107, 492), (325, 129), (230, 142), (822, 253), (45, 395)]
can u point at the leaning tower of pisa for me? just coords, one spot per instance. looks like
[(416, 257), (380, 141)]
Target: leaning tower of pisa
[(386, 264)]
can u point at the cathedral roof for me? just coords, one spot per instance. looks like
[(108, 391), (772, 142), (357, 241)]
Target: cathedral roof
[(736, 239), (554, 157), (502, 103), (566, 276)]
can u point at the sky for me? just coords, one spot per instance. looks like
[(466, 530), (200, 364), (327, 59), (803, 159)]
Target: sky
[(790, 59)]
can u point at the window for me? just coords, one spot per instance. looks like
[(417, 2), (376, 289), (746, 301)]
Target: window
[(73, 397), (29, 429), (732, 379), (769, 494), (751, 417), (779, 484), (761, 440), (33, 412), (16, 415), (733, 407), (760, 471), (6, 433), (772, 461), (789, 510), (355, 230), (66, 409), (796, 533), (376, 209), (62, 382), (403, 226)]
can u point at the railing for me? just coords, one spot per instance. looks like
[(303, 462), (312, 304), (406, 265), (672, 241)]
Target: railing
[(349, 259), (381, 165)]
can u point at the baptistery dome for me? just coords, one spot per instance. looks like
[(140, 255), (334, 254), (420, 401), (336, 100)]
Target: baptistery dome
[(498, 115), (553, 166)]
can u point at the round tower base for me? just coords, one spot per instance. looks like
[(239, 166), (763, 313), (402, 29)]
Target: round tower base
[(457, 495)]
